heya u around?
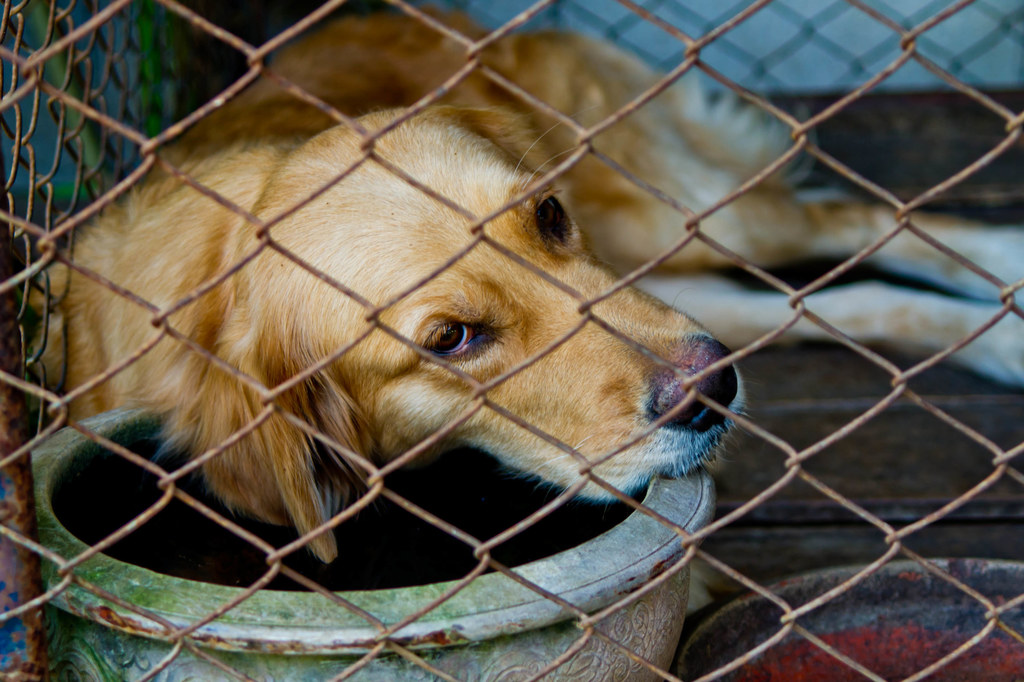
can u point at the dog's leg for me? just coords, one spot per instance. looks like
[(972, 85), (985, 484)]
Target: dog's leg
[(770, 228), (868, 312), (841, 229)]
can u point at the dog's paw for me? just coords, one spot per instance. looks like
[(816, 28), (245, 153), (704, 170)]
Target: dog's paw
[(999, 352), (1000, 252), (997, 251)]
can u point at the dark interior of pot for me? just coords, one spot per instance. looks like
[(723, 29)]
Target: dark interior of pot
[(383, 546)]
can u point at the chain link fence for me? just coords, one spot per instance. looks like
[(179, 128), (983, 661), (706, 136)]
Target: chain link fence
[(95, 95)]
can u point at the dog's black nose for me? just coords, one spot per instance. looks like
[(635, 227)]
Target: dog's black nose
[(692, 357)]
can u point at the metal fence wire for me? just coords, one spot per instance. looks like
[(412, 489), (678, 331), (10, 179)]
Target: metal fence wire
[(95, 96)]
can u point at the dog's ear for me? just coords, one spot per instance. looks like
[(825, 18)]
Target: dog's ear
[(276, 472), (314, 476), (507, 129)]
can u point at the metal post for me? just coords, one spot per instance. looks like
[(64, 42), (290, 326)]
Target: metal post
[(22, 637)]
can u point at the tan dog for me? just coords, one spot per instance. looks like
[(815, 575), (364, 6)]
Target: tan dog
[(695, 151), (282, 318), (587, 391)]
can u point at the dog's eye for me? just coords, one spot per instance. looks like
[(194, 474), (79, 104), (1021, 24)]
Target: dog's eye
[(451, 338), (551, 219)]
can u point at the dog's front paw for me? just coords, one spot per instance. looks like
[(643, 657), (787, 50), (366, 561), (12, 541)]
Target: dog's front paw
[(1000, 253), (999, 352)]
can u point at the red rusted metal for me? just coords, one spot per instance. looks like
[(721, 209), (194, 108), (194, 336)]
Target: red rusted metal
[(22, 637), (897, 623)]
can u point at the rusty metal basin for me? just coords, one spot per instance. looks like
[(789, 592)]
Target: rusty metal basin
[(118, 620), (895, 623)]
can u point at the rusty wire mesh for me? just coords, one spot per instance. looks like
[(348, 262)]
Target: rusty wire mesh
[(91, 104)]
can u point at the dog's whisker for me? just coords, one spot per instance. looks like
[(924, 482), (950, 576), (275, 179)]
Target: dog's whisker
[(535, 143), (540, 169), (577, 446)]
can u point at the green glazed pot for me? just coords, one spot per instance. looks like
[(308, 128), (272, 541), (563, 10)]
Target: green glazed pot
[(493, 629)]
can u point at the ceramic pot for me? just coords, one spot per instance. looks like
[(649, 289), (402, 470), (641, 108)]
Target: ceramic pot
[(115, 620)]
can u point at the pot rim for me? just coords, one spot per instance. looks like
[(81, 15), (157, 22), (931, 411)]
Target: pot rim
[(306, 622)]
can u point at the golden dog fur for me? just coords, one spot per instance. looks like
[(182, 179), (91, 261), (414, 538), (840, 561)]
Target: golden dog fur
[(693, 149), (267, 150), (272, 319)]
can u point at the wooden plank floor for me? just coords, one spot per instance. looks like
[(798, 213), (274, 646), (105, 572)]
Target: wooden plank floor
[(905, 463), (908, 143), (901, 465)]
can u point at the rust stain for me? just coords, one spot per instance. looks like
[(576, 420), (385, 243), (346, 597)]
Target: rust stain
[(659, 568), (220, 642), (22, 639), (264, 646), (108, 615), (440, 637), (254, 645), (437, 637)]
